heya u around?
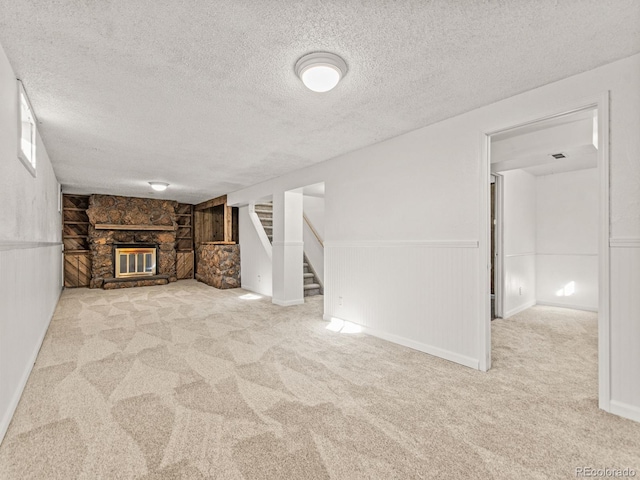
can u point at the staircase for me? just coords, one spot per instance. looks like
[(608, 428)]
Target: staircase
[(311, 284), (265, 214)]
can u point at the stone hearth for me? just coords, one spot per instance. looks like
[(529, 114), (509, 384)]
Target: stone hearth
[(138, 213)]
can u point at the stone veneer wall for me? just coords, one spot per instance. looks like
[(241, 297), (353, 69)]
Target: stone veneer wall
[(110, 209), (219, 265)]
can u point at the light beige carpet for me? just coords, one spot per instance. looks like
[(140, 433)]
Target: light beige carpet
[(186, 381)]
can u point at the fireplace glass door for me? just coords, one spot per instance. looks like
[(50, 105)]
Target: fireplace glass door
[(132, 262)]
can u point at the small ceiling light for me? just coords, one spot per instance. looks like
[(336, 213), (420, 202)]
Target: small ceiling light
[(321, 71), (159, 186)]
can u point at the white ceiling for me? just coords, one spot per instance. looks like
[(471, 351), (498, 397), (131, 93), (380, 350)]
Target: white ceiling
[(531, 147), (202, 94)]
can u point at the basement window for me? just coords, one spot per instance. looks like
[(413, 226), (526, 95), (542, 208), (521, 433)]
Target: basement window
[(26, 131)]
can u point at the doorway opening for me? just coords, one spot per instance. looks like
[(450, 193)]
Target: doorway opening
[(496, 245), (547, 226)]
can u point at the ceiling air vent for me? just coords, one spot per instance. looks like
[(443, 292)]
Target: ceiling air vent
[(558, 156)]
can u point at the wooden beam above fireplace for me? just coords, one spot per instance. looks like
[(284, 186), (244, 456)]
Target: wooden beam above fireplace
[(110, 226)]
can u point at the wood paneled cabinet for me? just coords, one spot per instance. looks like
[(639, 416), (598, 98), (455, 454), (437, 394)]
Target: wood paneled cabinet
[(185, 265), (75, 236), (77, 269)]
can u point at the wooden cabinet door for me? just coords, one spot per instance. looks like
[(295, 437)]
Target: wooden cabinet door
[(77, 269), (184, 265)]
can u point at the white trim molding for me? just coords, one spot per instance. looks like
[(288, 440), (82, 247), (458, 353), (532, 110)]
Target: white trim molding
[(287, 303), (624, 410), (566, 305), (568, 254), (288, 244), (406, 243), (421, 347), (624, 242), (518, 309)]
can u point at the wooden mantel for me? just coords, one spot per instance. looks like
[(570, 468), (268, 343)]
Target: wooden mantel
[(110, 226)]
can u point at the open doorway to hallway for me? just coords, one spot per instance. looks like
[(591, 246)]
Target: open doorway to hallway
[(548, 209), (545, 214)]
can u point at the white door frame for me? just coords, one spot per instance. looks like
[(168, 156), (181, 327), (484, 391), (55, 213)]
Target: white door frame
[(601, 104), (498, 266)]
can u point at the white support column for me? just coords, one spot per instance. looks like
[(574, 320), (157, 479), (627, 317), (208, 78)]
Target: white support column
[(288, 249)]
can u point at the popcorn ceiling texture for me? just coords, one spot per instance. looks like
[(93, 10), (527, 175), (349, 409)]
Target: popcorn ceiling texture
[(188, 381), (203, 95)]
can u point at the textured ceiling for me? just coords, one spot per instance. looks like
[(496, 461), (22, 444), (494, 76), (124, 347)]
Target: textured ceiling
[(202, 94)]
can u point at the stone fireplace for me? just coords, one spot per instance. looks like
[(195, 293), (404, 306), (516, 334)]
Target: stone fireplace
[(137, 224)]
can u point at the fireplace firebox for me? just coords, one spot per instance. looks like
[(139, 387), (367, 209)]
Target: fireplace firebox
[(139, 261)]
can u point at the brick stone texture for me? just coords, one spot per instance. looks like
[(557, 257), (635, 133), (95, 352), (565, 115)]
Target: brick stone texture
[(219, 265), (135, 283), (111, 209)]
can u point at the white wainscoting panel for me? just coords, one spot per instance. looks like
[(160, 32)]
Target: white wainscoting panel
[(567, 280), (423, 295), (520, 282), (30, 285), (625, 328)]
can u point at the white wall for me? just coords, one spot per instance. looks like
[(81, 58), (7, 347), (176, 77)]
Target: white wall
[(255, 263), (567, 239), (314, 211), (519, 190), (426, 185), (30, 251)]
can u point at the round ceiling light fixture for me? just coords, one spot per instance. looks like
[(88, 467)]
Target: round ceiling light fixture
[(159, 186), (321, 71)]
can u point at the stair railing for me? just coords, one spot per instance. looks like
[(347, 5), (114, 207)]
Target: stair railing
[(313, 230)]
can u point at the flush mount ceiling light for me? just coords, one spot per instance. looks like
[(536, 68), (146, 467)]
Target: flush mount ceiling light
[(321, 71), (159, 186)]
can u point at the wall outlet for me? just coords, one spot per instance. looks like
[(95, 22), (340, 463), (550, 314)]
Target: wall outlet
[(259, 278), (339, 300), (520, 290)]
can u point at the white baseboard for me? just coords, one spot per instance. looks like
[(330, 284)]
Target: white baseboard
[(15, 399), (625, 410), (421, 347), (519, 309), (287, 303), (564, 305), (254, 289)]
